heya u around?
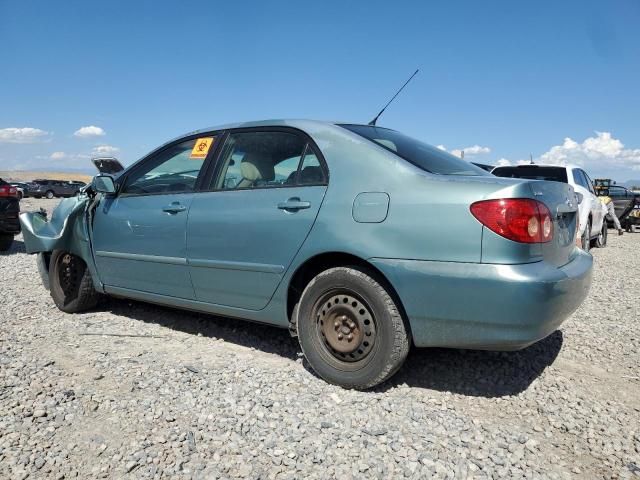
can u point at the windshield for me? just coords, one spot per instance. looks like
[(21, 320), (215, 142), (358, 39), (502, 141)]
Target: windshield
[(533, 172), (422, 155)]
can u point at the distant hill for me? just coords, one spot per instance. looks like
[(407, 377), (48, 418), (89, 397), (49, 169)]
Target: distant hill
[(631, 183), (27, 176)]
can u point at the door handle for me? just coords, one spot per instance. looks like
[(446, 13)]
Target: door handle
[(294, 204), (174, 208)]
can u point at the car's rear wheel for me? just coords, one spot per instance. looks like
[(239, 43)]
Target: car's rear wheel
[(601, 240), (585, 240), (350, 329), (5, 242), (49, 194), (70, 283)]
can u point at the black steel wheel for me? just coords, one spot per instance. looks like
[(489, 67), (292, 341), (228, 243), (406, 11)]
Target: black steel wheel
[(70, 283), (350, 328)]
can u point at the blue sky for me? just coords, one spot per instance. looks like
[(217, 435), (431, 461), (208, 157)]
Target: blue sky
[(502, 80)]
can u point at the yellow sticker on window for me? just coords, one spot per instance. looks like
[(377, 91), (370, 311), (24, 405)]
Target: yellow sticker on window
[(201, 147)]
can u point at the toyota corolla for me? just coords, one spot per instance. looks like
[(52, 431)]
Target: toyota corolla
[(359, 239)]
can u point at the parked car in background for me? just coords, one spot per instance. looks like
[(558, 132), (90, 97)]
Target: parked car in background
[(53, 188), (78, 185), (359, 239), (9, 210), (592, 227), (24, 189)]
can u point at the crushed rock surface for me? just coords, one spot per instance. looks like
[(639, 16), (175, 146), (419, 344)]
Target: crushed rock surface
[(133, 390)]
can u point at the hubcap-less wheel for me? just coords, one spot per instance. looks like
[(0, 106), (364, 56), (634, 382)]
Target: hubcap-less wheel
[(49, 195), (346, 325), (69, 274)]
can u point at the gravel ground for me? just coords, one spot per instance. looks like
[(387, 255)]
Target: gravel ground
[(132, 390)]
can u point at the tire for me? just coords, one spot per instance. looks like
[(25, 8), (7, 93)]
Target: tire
[(70, 283), (49, 194), (601, 240), (585, 240), (348, 304), (5, 242)]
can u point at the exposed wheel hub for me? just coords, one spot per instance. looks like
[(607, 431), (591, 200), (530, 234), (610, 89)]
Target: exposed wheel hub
[(68, 273), (346, 326)]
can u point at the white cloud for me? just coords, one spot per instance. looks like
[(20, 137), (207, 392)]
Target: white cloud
[(503, 162), (89, 131), (105, 150), (599, 151), (470, 151), (57, 155), (442, 147), (476, 150), (22, 135)]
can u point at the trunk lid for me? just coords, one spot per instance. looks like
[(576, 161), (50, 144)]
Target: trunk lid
[(561, 201)]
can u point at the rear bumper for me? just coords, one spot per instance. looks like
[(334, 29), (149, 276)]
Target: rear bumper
[(486, 306), (9, 210)]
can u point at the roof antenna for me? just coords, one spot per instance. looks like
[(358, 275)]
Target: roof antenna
[(373, 122), (531, 159)]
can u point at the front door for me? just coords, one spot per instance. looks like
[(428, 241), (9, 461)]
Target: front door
[(244, 232), (139, 234)]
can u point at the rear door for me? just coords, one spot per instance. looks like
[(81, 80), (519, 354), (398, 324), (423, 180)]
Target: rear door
[(139, 235), (260, 204)]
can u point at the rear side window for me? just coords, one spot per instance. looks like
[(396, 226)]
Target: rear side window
[(422, 155), (267, 159), (533, 172)]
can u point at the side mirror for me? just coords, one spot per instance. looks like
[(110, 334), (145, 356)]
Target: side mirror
[(104, 184), (580, 197)]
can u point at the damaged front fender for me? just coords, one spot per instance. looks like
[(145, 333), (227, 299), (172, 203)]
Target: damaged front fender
[(68, 229)]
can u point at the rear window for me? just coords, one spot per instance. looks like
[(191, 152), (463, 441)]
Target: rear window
[(422, 155), (533, 172)]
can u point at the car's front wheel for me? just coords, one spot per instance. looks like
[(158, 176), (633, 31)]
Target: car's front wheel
[(5, 242), (350, 329), (49, 195), (70, 283)]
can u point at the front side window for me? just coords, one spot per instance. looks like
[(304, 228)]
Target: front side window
[(173, 170), (259, 160), (422, 155)]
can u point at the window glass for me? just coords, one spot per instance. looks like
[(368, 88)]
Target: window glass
[(422, 155), (532, 172), (578, 177), (310, 170), (617, 192), (174, 169), (259, 160), (589, 182)]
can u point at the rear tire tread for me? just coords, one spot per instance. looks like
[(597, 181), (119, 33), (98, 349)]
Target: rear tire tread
[(401, 341)]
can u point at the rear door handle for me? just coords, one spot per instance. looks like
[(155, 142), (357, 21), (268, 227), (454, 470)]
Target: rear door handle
[(174, 208), (294, 204)]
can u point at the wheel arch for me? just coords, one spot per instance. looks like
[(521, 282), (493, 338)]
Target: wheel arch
[(311, 267)]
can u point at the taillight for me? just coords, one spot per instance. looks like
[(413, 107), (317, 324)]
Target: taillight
[(8, 191), (518, 219)]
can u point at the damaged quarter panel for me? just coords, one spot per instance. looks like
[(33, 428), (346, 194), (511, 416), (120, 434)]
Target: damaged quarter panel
[(65, 230)]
